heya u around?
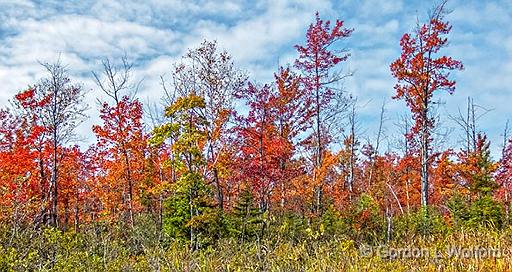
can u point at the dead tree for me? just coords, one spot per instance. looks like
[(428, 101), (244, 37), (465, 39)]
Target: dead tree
[(61, 116)]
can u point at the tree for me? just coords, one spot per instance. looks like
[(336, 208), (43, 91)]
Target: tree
[(56, 105), (291, 121), (19, 188), (474, 204), (373, 150), (421, 72), (121, 139), (210, 74), (247, 217), (261, 147), (28, 106), (504, 176), (191, 207), (72, 186), (352, 143), (316, 62), (468, 123), (477, 169)]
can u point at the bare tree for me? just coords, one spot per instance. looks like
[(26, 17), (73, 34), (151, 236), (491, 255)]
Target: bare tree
[(377, 143), (352, 148), (506, 133), (61, 115), (406, 145), (468, 123)]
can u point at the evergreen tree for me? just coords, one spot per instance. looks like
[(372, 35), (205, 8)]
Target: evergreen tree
[(483, 183), (458, 206), (189, 212), (477, 171), (248, 218)]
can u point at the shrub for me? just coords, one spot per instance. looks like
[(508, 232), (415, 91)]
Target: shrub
[(247, 218), (423, 222), (486, 212)]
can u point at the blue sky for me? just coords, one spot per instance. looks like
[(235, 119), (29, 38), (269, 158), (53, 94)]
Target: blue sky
[(259, 35)]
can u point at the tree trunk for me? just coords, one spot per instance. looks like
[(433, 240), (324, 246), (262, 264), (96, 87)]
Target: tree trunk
[(389, 221), (77, 214), (424, 155), (352, 152), (44, 193), (66, 215), (507, 208), (53, 185), (130, 183), (220, 196), (318, 189), (191, 211)]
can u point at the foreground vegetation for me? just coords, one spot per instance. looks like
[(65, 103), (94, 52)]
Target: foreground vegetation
[(287, 244)]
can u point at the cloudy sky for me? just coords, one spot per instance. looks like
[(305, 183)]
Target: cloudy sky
[(260, 35)]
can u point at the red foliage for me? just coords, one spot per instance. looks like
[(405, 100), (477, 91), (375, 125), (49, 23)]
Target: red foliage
[(504, 174), (420, 71), (121, 150), (316, 58)]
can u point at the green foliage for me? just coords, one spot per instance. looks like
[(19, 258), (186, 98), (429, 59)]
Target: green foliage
[(330, 221), (108, 250), (163, 132), (247, 218), (423, 222), (486, 212), (483, 182), (186, 129), (185, 103), (176, 216), (458, 209), (190, 213), (289, 226)]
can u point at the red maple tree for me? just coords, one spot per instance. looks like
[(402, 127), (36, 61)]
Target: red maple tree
[(421, 71)]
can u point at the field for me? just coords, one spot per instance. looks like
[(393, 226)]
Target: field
[(283, 249)]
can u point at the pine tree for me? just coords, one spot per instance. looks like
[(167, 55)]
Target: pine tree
[(248, 218), (477, 169), (191, 207)]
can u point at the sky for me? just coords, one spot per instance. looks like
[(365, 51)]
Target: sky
[(260, 35)]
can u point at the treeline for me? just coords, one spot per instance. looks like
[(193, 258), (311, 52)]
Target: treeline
[(231, 157)]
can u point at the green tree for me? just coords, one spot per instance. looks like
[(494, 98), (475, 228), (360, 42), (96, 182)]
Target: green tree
[(247, 217), (483, 183), (190, 212), (485, 212), (477, 171), (459, 210)]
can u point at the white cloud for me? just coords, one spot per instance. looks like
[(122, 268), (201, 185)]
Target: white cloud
[(258, 34)]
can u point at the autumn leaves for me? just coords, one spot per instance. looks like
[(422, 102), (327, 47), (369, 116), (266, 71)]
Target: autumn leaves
[(221, 136)]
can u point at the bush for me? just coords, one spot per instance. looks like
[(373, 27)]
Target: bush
[(459, 210), (367, 222), (423, 222), (486, 212)]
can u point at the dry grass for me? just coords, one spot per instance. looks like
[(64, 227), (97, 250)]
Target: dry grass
[(69, 252)]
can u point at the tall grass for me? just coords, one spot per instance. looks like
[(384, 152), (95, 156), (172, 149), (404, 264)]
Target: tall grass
[(52, 250)]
